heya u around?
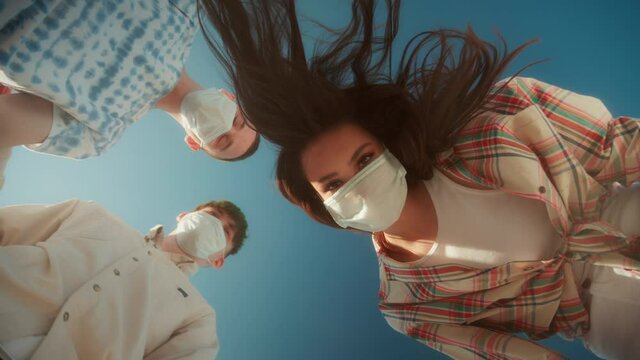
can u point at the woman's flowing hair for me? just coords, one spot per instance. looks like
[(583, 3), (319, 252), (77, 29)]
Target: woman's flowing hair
[(442, 80)]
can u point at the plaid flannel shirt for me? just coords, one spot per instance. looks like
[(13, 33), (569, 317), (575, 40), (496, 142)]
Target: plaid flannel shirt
[(543, 143)]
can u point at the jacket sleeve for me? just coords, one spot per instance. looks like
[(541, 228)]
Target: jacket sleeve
[(30, 224), (196, 340), (608, 148), (472, 342)]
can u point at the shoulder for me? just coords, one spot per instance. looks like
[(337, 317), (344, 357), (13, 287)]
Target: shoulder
[(90, 207), (90, 217), (522, 87), (515, 94)]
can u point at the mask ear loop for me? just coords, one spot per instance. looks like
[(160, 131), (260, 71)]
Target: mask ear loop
[(191, 143), (218, 263)]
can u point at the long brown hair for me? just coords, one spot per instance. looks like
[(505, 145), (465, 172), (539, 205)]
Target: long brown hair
[(443, 79)]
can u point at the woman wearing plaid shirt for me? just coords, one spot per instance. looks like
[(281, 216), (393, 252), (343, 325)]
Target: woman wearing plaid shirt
[(489, 205)]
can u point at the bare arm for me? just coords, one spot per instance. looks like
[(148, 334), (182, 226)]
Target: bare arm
[(24, 119), (170, 103)]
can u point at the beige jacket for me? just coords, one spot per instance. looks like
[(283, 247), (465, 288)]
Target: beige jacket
[(79, 275)]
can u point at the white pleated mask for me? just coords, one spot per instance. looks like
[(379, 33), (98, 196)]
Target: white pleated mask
[(374, 198), (200, 235), (207, 114)]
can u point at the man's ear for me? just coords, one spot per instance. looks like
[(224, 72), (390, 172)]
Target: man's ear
[(180, 216), (218, 263), (191, 143), (228, 94)]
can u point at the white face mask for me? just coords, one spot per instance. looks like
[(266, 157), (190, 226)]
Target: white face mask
[(207, 114), (200, 235), (373, 199)]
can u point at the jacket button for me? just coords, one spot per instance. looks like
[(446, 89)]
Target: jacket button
[(116, 271), (542, 190), (586, 283), (135, 258), (149, 252), (96, 287), (184, 293), (65, 316)]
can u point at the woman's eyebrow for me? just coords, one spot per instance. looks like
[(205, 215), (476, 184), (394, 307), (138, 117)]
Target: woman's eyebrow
[(228, 145), (358, 151), (354, 157), (328, 177)]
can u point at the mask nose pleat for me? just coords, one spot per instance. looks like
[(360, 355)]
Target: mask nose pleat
[(373, 199), (207, 114), (200, 235)]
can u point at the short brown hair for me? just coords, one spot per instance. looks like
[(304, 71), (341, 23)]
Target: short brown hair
[(234, 213)]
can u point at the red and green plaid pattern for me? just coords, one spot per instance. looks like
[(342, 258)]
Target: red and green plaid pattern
[(545, 143)]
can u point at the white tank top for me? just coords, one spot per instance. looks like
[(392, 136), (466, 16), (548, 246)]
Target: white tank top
[(487, 228)]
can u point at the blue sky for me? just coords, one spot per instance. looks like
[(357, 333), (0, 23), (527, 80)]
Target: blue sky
[(299, 290)]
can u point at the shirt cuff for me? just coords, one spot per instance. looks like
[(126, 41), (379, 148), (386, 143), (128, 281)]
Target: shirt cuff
[(60, 122)]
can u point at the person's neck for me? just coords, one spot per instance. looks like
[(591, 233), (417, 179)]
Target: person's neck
[(418, 219), (169, 244), (172, 102)]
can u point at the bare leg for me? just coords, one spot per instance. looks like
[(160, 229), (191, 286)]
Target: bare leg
[(24, 119)]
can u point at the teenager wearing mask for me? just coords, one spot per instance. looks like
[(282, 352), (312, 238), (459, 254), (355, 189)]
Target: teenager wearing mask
[(86, 71), (488, 201), (78, 282)]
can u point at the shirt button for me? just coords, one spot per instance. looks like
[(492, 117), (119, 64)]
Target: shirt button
[(542, 190), (586, 283), (184, 293), (135, 258), (149, 252), (96, 287), (116, 271), (65, 317)]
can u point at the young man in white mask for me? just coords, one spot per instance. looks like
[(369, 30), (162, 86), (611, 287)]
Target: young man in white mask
[(203, 237), (85, 77), (210, 118), (76, 282)]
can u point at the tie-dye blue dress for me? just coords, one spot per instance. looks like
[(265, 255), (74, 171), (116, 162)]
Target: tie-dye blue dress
[(102, 63)]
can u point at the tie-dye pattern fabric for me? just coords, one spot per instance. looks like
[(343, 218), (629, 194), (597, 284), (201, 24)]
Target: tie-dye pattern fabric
[(547, 144), (102, 63)]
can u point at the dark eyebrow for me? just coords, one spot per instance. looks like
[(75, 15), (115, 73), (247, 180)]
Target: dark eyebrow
[(228, 145), (231, 140), (357, 153), (327, 177), (354, 157)]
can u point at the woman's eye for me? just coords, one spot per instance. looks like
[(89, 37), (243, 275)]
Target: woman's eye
[(222, 141), (365, 160), (332, 186)]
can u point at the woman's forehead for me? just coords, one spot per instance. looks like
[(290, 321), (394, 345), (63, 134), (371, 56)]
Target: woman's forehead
[(335, 146)]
